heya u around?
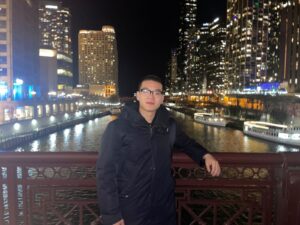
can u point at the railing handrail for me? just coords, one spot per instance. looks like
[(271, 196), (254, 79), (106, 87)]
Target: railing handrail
[(47, 157), (291, 158), (276, 175)]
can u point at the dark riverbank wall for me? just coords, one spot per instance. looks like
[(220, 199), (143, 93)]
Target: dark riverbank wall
[(14, 140)]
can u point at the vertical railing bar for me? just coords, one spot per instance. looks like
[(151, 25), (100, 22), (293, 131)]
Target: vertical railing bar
[(30, 213), (215, 214), (178, 213), (250, 214), (12, 194), (25, 195), (1, 197), (81, 214)]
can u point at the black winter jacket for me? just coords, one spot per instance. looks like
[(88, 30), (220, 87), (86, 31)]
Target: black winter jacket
[(134, 180)]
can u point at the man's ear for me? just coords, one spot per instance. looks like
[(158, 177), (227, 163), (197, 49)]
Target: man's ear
[(162, 101), (137, 96)]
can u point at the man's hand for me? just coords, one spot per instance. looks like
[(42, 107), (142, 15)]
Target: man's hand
[(121, 222), (212, 165)]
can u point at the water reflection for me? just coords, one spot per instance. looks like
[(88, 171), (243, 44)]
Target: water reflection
[(52, 142), (78, 130), (87, 136), (220, 139), (35, 146)]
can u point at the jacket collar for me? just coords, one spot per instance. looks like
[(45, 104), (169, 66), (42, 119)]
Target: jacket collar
[(131, 113)]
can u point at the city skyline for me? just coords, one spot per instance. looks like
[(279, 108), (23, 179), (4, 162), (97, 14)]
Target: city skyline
[(145, 33)]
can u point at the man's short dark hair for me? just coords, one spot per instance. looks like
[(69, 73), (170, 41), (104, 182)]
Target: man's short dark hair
[(150, 77)]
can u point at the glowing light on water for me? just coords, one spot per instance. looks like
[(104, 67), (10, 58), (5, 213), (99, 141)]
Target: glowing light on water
[(17, 126), (78, 129), (35, 146), (52, 142), (34, 122)]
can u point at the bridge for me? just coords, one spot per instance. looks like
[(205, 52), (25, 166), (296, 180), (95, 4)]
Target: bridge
[(40, 188)]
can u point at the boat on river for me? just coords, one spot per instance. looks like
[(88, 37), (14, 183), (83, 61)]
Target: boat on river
[(279, 133), (210, 119), (115, 111)]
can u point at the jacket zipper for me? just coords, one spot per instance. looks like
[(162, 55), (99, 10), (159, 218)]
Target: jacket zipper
[(152, 166), (151, 130)]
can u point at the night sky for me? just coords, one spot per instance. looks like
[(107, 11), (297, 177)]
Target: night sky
[(146, 32)]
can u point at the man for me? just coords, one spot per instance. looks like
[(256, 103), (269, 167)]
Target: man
[(134, 181)]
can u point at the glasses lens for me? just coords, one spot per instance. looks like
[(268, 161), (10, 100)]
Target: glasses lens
[(148, 91)]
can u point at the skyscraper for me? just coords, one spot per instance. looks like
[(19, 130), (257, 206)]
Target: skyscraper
[(211, 47), (289, 44), (186, 30), (192, 63), (19, 53), (55, 34), (248, 24), (98, 57), (263, 43), (172, 78)]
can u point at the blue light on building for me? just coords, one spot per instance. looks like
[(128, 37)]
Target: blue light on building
[(18, 90), (272, 86), (31, 92), (3, 90)]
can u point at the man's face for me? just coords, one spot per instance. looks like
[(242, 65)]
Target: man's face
[(150, 96)]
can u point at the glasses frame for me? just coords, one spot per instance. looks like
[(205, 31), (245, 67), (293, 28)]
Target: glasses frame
[(147, 91)]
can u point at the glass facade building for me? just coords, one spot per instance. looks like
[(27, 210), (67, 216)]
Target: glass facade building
[(55, 33), (262, 43), (212, 56), (248, 24), (289, 44), (187, 27), (98, 57), (19, 52)]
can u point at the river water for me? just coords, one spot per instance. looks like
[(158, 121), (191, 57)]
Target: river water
[(87, 137)]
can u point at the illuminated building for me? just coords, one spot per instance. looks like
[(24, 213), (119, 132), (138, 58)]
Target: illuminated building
[(55, 33), (263, 43), (247, 42), (205, 59), (187, 24), (19, 60), (19, 54), (98, 57), (48, 69), (212, 56), (192, 65), (174, 83), (289, 44)]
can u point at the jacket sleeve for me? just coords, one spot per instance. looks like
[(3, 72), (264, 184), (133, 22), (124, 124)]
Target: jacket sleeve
[(106, 174), (189, 146)]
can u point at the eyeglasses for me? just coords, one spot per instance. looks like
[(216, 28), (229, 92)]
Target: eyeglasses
[(146, 91)]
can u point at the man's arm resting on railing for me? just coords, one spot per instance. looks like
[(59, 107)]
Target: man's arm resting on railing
[(197, 152)]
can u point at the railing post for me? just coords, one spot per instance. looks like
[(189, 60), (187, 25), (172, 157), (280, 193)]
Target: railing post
[(12, 194), (1, 197)]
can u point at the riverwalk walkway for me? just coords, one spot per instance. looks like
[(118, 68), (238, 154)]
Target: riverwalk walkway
[(19, 132)]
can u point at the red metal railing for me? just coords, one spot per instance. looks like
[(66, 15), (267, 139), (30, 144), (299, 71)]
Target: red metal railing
[(60, 188)]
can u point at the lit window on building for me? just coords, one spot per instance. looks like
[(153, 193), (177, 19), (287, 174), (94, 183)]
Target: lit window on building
[(3, 59), (3, 71), (2, 36), (2, 12), (3, 48), (2, 24)]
